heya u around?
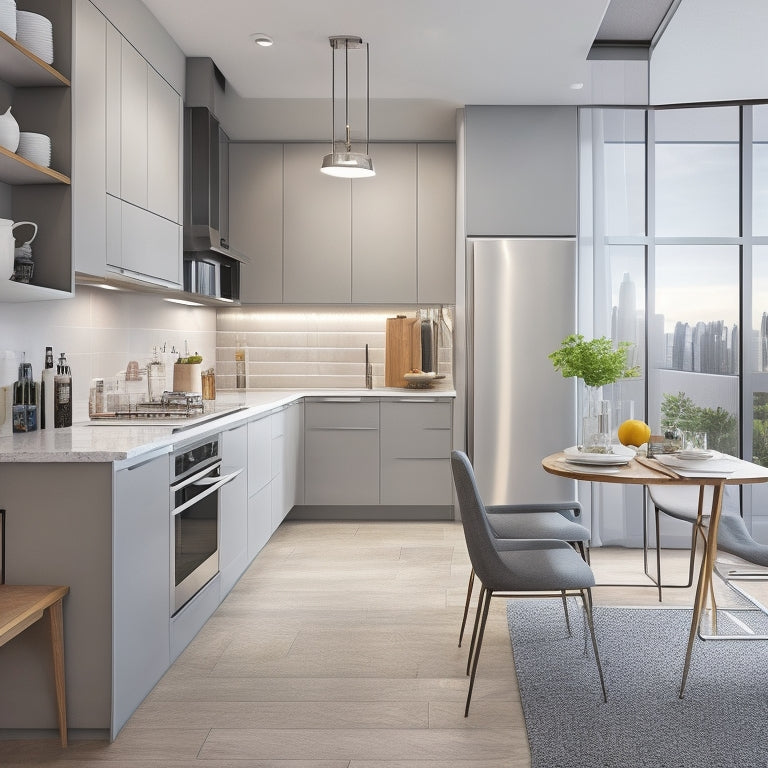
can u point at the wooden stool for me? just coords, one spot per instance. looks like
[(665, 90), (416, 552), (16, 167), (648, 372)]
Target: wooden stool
[(21, 607)]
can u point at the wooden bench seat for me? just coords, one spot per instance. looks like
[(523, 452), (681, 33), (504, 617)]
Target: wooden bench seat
[(23, 606)]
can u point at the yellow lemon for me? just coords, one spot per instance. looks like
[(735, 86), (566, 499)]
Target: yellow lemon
[(634, 432)]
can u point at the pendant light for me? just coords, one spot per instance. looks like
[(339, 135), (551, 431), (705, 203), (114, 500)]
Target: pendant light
[(342, 161)]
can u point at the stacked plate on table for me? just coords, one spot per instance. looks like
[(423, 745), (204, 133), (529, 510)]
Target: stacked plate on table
[(620, 455), (35, 147), (8, 17), (35, 33)]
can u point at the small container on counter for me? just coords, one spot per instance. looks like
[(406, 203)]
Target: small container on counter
[(62, 385), (209, 388), (25, 399)]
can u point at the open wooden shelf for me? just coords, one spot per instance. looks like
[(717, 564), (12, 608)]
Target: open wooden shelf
[(20, 67), (15, 169)]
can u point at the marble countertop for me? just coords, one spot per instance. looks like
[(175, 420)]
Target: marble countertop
[(103, 442)]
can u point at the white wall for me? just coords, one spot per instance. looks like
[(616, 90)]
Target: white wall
[(100, 332)]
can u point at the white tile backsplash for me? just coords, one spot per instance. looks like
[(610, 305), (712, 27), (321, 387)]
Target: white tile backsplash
[(289, 347), (100, 332)]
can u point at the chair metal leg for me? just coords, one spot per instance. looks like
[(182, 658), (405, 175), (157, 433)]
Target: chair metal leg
[(586, 598), (696, 529), (480, 598), (565, 609), (466, 604), (486, 604)]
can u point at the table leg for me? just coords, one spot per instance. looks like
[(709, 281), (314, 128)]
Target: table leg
[(705, 575), (57, 647)]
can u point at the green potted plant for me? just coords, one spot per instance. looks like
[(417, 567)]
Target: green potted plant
[(596, 363)]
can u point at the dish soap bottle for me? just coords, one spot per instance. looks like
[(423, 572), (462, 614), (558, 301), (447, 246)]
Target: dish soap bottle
[(62, 407)]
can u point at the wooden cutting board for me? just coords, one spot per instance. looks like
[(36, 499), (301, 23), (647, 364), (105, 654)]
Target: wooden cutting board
[(403, 349)]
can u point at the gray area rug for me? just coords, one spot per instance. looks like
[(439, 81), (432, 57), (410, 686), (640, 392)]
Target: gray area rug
[(722, 721)]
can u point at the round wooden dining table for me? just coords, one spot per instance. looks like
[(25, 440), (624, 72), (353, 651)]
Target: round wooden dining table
[(642, 470)]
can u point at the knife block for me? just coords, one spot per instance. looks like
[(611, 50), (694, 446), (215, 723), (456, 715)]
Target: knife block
[(403, 349)]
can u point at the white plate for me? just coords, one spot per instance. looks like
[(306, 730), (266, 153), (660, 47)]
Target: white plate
[(694, 455), (620, 455)]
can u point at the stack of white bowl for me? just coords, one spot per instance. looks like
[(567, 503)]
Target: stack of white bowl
[(8, 17), (35, 33), (35, 147)]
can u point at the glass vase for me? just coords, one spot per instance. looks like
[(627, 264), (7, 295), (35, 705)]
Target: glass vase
[(595, 422)]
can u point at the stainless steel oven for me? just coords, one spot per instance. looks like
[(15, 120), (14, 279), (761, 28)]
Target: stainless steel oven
[(194, 499)]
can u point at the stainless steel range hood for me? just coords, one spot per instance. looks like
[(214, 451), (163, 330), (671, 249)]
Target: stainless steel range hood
[(211, 266)]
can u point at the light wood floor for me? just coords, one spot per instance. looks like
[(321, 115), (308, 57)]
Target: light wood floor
[(338, 649)]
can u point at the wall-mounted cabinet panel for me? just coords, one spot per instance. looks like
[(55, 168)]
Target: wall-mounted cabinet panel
[(164, 125), (384, 228), (317, 231), (521, 171), (436, 247), (312, 238), (128, 142), (256, 219), (147, 244), (133, 126)]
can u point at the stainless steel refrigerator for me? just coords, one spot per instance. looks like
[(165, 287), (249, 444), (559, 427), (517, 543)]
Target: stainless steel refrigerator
[(521, 305)]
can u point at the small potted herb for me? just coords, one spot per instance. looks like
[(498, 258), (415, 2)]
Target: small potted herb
[(596, 363)]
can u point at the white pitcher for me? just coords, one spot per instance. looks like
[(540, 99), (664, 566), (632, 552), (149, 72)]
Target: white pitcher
[(9, 131), (6, 249)]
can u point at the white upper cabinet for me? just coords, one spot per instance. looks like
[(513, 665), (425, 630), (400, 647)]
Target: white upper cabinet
[(317, 230), (128, 143), (165, 118), (436, 247), (133, 127), (312, 238), (384, 228), (521, 171), (256, 219)]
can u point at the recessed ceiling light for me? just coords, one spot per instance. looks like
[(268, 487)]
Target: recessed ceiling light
[(576, 86), (261, 39)]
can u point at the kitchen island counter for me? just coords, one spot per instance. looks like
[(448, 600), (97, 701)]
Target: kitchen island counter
[(103, 442)]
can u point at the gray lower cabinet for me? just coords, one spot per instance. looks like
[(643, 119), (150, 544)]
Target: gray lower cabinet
[(416, 442), (341, 450), (141, 634), (233, 509)]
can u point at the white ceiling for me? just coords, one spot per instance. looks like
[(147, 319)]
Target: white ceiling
[(479, 52)]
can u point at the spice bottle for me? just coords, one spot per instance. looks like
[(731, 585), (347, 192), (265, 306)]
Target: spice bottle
[(62, 407)]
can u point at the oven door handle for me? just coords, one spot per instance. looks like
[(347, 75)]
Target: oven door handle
[(215, 484), (222, 480)]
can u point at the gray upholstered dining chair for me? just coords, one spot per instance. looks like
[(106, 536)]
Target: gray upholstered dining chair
[(733, 538), (552, 520), (690, 503), (515, 567)]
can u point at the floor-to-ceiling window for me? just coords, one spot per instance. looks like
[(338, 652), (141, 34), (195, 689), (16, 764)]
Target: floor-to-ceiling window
[(678, 248)]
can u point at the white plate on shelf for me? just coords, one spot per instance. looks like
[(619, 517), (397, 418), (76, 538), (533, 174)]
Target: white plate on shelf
[(620, 455)]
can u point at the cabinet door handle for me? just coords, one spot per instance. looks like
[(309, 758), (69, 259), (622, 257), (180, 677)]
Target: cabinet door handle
[(343, 429), (339, 400)]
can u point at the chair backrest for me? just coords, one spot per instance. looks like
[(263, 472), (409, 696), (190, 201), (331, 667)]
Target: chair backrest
[(477, 531)]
